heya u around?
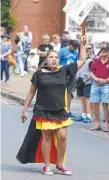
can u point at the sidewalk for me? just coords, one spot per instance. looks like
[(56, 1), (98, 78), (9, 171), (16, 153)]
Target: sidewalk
[(19, 87)]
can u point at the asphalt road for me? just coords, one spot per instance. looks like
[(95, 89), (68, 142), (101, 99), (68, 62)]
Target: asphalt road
[(87, 154)]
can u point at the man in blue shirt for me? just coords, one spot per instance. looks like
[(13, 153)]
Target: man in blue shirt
[(68, 55)]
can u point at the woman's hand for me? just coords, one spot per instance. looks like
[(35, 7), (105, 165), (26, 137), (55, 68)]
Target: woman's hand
[(83, 39), (24, 116), (2, 57)]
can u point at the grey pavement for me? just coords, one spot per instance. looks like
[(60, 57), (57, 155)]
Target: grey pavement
[(87, 153)]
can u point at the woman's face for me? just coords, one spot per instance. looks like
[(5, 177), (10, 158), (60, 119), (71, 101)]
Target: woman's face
[(5, 39), (46, 40), (56, 40), (52, 60), (104, 53)]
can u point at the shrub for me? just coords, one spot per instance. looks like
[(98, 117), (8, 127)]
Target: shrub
[(7, 20)]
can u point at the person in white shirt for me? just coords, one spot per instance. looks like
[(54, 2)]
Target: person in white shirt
[(32, 62), (26, 38), (56, 42), (26, 35)]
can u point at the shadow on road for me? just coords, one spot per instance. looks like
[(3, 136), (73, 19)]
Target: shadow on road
[(17, 168)]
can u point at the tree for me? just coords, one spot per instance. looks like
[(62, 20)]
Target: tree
[(7, 21)]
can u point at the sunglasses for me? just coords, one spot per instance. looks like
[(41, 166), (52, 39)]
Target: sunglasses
[(89, 48)]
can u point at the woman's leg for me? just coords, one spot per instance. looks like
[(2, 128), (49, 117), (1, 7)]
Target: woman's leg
[(61, 146), (21, 64), (46, 145), (61, 149), (6, 69), (2, 69)]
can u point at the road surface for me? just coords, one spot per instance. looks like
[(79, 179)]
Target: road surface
[(87, 153)]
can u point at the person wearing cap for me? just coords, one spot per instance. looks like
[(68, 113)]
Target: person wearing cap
[(68, 55), (84, 86), (100, 86), (6, 49)]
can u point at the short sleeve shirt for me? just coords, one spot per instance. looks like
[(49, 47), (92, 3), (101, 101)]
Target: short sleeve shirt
[(51, 87), (99, 69), (5, 48), (44, 47), (68, 56)]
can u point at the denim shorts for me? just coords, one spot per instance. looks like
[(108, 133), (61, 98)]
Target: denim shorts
[(99, 93)]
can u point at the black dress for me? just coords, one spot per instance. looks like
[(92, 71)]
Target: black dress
[(50, 100)]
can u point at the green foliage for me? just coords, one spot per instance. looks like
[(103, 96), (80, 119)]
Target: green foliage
[(7, 21)]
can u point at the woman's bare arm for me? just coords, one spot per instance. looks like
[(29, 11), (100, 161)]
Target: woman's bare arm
[(29, 97), (82, 59)]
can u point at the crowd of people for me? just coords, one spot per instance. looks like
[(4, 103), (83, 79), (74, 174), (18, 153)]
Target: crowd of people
[(58, 64)]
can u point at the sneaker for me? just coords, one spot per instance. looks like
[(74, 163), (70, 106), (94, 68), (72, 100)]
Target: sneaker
[(79, 118), (25, 72), (21, 75), (47, 171), (87, 120), (63, 170), (71, 116)]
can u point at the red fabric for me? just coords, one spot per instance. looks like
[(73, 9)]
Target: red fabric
[(47, 120), (99, 69), (54, 69), (53, 155)]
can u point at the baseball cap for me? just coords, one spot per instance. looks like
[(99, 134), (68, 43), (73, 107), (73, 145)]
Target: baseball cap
[(105, 46)]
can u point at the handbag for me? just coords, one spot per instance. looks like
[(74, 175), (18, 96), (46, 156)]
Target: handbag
[(11, 59), (80, 83)]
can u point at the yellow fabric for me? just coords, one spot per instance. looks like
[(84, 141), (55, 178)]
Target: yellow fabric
[(52, 125)]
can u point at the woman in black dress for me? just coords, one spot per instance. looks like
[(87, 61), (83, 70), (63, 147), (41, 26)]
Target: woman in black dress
[(46, 138)]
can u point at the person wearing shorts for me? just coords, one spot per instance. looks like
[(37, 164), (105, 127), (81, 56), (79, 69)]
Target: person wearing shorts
[(100, 87), (84, 87)]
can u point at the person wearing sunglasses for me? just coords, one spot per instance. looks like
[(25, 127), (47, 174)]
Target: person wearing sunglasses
[(100, 86), (44, 48), (84, 86)]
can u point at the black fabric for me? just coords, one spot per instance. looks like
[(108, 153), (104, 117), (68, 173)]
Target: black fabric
[(84, 91), (80, 83), (44, 47), (70, 86), (35, 78), (60, 115), (28, 149), (52, 86)]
